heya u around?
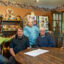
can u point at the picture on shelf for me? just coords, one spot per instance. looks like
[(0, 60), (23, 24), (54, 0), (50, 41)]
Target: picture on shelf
[(10, 27)]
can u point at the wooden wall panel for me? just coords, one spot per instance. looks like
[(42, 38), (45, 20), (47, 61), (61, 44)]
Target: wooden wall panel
[(22, 12)]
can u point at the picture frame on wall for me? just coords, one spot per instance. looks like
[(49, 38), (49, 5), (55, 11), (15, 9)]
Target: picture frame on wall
[(43, 22), (39, 21)]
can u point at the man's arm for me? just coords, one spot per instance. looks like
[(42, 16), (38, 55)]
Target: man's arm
[(12, 52), (13, 36), (11, 48)]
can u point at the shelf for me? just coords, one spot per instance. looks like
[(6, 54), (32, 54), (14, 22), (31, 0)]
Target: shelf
[(10, 25), (8, 31), (10, 21)]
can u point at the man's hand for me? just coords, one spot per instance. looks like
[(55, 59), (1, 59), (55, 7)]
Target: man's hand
[(12, 37), (62, 47), (28, 48)]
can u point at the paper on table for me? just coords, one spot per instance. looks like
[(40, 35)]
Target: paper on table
[(37, 52)]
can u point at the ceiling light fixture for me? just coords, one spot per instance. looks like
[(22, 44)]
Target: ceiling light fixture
[(32, 13), (37, 0)]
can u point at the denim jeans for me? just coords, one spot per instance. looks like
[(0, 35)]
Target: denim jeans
[(12, 60), (3, 60)]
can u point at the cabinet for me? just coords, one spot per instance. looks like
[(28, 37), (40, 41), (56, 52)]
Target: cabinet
[(8, 28), (57, 27)]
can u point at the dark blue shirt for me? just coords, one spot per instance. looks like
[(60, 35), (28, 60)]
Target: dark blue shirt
[(44, 41), (19, 44)]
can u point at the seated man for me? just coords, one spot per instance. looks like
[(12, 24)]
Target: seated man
[(43, 40), (63, 40), (19, 43)]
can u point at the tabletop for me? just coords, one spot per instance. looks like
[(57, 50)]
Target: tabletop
[(54, 56)]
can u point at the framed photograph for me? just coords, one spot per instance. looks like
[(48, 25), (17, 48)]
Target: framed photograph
[(43, 22)]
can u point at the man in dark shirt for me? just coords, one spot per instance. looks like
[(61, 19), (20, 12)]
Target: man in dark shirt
[(43, 40), (19, 43)]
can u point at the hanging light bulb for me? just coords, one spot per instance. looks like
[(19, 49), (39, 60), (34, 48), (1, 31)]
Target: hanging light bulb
[(37, 0), (32, 13)]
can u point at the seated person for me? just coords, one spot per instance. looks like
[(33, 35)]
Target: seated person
[(53, 38), (3, 60), (19, 43), (43, 40), (63, 40)]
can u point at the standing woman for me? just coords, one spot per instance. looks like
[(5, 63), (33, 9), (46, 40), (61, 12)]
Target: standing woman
[(32, 32)]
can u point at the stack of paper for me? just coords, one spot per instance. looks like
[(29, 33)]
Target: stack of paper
[(35, 53)]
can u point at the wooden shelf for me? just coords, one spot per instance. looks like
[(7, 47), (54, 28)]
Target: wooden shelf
[(9, 31), (11, 21), (8, 24)]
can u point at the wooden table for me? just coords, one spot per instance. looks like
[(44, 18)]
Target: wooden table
[(54, 56)]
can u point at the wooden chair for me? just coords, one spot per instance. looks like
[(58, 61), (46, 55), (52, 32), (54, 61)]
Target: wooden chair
[(5, 49), (53, 38)]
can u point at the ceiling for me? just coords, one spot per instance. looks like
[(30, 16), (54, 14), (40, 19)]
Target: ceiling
[(35, 3), (51, 3), (44, 3)]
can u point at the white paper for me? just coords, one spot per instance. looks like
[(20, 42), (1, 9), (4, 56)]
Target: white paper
[(37, 52)]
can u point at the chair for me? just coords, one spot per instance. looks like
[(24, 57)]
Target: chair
[(53, 38), (3, 60), (5, 49)]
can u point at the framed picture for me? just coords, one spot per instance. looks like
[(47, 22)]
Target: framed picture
[(43, 22)]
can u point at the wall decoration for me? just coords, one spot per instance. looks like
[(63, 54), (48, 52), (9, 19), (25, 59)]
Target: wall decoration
[(40, 21), (43, 22), (18, 18), (22, 4), (9, 15)]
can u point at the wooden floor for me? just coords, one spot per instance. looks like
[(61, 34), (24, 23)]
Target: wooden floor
[(54, 56)]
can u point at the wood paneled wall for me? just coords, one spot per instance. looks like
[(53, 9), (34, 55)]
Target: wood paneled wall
[(22, 12)]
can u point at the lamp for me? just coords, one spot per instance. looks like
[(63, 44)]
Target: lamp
[(32, 13), (37, 0)]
